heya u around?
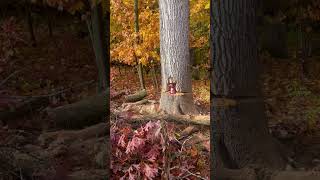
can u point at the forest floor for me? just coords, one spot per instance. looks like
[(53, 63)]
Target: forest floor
[(293, 107), (30, 148)]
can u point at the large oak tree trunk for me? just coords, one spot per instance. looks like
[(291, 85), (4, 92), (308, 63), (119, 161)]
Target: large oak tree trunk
[(240, 134), (175, 58)]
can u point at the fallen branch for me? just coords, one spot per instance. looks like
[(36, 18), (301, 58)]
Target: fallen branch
[(9, 77), (189, 173)]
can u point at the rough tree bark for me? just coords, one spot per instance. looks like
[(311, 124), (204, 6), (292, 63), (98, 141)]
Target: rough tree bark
[(240, 136), (175, 58)]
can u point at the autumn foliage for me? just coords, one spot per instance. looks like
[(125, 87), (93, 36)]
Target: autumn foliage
[(123, 37), (150, 151)]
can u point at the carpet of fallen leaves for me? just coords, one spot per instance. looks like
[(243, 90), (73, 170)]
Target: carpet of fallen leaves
[(158, 147)]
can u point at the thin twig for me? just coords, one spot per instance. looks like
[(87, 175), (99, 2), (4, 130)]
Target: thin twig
[(184, 143), (9, 77), (191, 174)]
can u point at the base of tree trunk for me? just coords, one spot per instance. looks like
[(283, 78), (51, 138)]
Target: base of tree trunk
[(177, 104), (243, 138)]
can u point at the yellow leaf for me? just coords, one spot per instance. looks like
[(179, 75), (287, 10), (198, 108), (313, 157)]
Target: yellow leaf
[(207, 6)]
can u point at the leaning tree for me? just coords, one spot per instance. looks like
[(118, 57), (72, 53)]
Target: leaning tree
[(176, 93)]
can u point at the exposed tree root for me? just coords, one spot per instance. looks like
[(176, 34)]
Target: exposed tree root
[(95, 131), (184, 119), (143, 107), (83, 113), (137, 96)]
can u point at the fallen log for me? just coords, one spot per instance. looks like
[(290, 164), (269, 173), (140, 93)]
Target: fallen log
[(136, 96), (86, 112)]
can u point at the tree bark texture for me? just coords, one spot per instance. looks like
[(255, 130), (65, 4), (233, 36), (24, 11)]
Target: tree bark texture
[(240, 134), (175, 57)]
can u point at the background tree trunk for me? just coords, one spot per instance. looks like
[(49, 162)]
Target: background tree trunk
[(49, 15), (98, 38), (30, 23), (240, 134), (136, 22), (175, 57)]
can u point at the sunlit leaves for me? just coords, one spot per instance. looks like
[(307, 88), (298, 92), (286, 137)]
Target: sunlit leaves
[(124, 48), (123, 43)]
